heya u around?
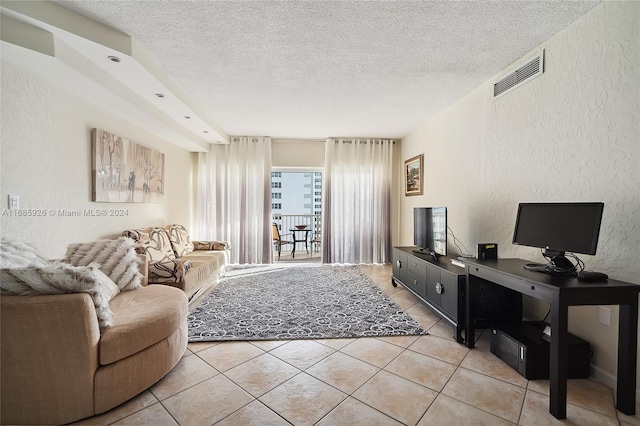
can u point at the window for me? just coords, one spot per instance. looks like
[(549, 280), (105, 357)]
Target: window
[(276, 184), (276, 195), (276, 174), (276, 206)]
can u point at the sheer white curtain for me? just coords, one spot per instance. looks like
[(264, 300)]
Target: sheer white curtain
[(357, 201), (234, 198)]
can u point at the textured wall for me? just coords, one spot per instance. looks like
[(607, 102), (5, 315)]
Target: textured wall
[(571, 134), (46, 160)]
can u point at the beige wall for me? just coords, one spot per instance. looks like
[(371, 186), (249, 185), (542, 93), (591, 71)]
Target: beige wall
[(297, 153), (46, 160), (571, 134)]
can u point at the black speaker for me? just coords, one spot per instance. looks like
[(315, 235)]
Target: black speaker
[(487, 251)]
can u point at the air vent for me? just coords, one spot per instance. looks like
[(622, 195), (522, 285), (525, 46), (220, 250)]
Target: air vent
[(525, 73)]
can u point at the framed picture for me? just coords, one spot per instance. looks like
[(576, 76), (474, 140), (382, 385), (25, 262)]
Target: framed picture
[(413, 176), (125, 172)]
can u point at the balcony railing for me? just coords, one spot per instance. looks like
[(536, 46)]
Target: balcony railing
[(313, 222)]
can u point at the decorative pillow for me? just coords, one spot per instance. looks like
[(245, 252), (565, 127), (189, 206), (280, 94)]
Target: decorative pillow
[(168, 271), (61, 278), (116, 258), (211, 245), (17, 253), (154, 242), (180, 240)]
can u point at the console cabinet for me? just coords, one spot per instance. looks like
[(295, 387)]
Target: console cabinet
[(440, 284)]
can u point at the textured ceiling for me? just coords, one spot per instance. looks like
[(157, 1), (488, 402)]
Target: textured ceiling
[(321, 68)]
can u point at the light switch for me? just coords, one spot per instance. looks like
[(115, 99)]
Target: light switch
[(14, 202)]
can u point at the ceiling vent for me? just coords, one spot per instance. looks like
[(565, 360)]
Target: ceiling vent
[(525, 73)]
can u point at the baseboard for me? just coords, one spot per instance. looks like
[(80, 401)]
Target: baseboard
[(609, 380)]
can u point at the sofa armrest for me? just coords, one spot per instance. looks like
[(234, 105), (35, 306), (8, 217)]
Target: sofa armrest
[(168, 271), (211, 245), (50, 343)]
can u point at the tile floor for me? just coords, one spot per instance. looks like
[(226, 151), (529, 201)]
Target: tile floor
[(426, 380)]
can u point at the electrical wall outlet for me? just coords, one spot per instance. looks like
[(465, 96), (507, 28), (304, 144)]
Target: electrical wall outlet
[(604, 315), (14, 202)]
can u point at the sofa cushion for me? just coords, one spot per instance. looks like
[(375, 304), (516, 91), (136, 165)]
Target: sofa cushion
[(180, 240), (116, 258), (206, 266), (168, 271), (154, 242), (142, 318)]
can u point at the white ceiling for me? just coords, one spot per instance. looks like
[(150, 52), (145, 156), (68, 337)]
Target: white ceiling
[(317, 69)]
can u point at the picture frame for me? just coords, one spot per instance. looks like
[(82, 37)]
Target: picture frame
[(413, 180), (124, 171)]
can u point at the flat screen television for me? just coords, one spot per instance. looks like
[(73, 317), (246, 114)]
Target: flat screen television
[(430, 230), (557, 229)]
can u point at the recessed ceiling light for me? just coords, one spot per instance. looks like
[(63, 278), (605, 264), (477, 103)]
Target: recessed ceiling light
[(160, 95), (205, 131), (187, 117), (113, 58)]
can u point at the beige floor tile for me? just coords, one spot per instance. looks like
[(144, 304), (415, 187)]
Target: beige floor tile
[(422, 369), (444, 329), (494, 396), (354, 413), (402, 341), (443, 349), (335, 343), (447, 411), (536, 412), (373, 351), (343, 372), (145, 399), (630, 420), (303, 400), (426, 322), (189, 371), (199, 346), (207, 402), (229, 354), (267, 345), (261, 374), (481, 360), (153, 415), (253, 414), (585, 393), (424, 310), (388, 288), (399, 398), (302, 353), (404, 299)]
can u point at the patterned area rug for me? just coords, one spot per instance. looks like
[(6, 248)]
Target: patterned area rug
[(298, 303)]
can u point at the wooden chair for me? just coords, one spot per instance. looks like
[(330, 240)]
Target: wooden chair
[(278, 242)]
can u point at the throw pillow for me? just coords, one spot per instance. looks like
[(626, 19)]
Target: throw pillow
[(61, 278), (153, 242), (180, 240), (116, 258), (17, 253)]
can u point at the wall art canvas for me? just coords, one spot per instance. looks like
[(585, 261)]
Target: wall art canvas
[(125, 172), (413, 176)]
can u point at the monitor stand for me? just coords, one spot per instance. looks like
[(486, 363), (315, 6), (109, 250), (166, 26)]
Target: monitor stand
[(558, 264)]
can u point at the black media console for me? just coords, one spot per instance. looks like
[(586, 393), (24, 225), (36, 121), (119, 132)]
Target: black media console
[(441, 285)]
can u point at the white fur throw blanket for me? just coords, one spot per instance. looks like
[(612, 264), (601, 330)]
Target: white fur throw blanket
[(116, 258), (61, 278)]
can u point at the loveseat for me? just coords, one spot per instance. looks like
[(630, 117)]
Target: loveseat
[(63, 360), (173, 259)]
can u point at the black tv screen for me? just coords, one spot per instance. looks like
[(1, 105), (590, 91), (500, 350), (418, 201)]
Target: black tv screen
[(430, 229), (559, 227)]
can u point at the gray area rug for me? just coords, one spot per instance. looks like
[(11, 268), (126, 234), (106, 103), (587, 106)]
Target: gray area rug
[(298, 303)]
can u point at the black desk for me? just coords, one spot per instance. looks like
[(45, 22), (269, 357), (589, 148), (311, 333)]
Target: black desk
[(562, 292), (296, 239)]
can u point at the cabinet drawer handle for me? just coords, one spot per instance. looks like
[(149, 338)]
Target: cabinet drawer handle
[(439, 288), (415, 282), (399, 264)]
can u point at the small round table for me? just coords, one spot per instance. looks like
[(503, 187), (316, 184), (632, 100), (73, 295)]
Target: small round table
[(297, 239)]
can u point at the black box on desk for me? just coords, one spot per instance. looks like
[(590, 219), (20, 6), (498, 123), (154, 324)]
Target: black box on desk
[(525, 348)]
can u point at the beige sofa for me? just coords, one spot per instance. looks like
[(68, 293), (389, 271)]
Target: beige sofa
[(173, 259), (58, 368)]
